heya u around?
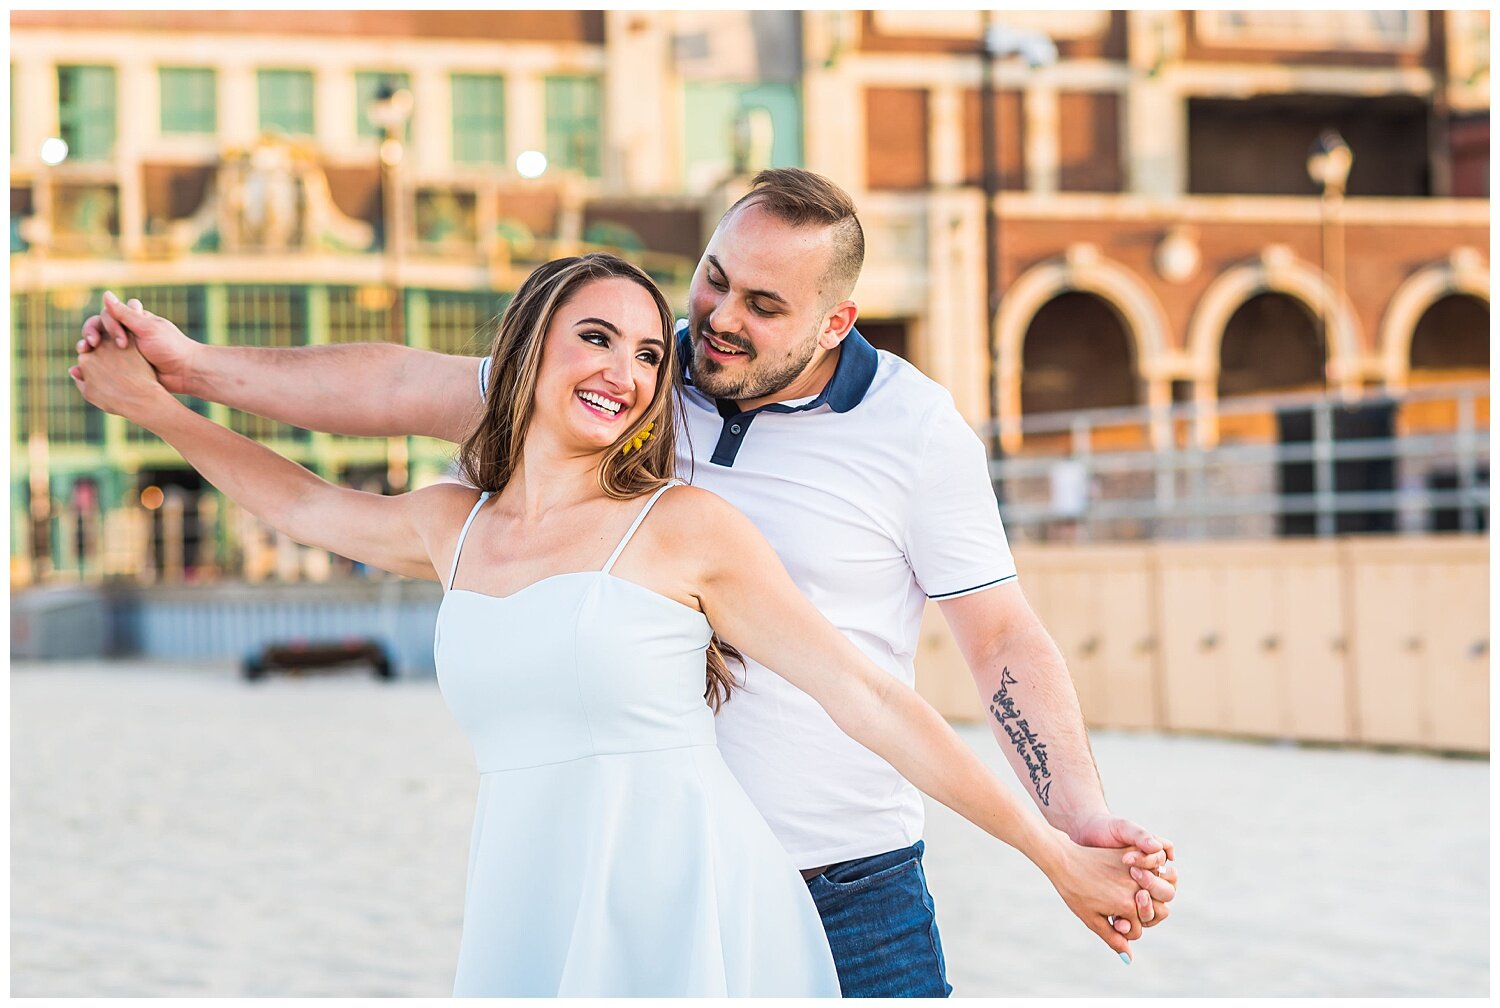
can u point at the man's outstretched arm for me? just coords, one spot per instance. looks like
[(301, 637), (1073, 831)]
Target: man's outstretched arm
[(1034, 714), (359, 389)]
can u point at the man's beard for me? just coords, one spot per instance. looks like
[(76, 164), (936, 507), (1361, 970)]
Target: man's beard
[(756, 381)]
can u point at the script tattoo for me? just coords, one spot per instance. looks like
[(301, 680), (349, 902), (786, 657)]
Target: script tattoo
[(1033, 751)]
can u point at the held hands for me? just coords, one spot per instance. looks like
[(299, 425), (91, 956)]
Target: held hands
[(170, 351), (1149, 863), (1099, 888), (121, 382)]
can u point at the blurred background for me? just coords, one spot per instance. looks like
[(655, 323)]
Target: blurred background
[(1213, 286)]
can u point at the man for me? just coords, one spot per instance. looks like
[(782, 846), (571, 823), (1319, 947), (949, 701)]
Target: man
[(874, 492)]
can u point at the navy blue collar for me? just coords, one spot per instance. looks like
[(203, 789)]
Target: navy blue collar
[(852, 376)]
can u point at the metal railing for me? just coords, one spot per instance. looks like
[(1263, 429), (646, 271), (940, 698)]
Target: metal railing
[(1411, 462), (1082, 476)]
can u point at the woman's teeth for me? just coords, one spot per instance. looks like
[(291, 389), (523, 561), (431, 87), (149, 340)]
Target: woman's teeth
[(608, 405)]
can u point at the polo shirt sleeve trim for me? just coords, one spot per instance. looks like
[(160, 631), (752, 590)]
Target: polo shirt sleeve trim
[(976, 588)]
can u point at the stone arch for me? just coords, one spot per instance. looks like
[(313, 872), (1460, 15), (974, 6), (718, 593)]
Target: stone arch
[(1082, 269), (1276, 270), (1463, 272)]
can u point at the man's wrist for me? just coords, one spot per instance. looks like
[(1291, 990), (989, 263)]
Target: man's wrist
[(194, 379), (1075, 822)]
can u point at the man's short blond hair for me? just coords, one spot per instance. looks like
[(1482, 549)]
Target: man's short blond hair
[(802, 198)]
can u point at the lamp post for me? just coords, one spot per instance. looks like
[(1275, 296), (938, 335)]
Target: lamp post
[(1037, 50), (53, 152), (390, 110), (1328, 164)]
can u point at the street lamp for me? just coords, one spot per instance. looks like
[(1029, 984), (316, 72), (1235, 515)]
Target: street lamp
[(531, 164), (53, 152), (1036, 50), (1328, 163), (390, 110)]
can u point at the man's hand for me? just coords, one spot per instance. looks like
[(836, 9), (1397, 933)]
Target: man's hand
[(1150, 864), (167, 348), (121, 382)]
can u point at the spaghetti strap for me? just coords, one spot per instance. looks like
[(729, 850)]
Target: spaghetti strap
[(458, 546), (635, 525)]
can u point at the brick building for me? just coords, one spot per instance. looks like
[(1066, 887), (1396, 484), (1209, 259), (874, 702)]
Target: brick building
[(1157, 236)]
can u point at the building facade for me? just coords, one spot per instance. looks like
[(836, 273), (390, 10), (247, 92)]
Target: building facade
[(1098, 209)]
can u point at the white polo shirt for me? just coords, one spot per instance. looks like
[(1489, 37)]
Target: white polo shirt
[(876, 495)]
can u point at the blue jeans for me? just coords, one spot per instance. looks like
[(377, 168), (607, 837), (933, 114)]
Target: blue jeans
[(880, 923)]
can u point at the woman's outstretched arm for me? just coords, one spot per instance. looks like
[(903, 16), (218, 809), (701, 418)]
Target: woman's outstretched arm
[(371, 528), (753, 603)]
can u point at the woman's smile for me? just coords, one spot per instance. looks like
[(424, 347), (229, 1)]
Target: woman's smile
[(602, 405)]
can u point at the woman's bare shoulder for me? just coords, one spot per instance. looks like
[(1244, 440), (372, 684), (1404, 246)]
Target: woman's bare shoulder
[(446, 494), (696, 515), (685, 501), (438, 512), (443, 504)]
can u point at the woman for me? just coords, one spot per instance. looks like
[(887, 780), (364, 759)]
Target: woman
[(612, 852)]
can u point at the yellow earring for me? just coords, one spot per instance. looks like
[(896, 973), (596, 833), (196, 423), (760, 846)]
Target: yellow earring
[(639, 439)]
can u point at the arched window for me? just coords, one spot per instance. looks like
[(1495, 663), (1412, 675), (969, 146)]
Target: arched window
[(1452, 340), (1077, 355), (1272, 343)]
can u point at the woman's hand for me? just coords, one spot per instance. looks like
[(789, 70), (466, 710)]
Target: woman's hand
[(121, 382), (1096, 885)]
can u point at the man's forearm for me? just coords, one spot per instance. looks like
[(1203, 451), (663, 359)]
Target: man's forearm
[(1033, 711), (358, 389)]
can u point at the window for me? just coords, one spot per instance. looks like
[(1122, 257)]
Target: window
[(286, 101), (478, 119), (44, 328), (86, 111), (360, 314), (1366, 31), (366, 86), (896, 138), (189, 100), (462, 322), (969, 24), (269, 317), (768, 115), (573, 123)]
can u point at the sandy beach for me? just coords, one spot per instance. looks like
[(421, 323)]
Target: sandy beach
[(177, 831)]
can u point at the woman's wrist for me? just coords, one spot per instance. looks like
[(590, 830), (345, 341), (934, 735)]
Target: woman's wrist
[(159, 408), (1046, 847)]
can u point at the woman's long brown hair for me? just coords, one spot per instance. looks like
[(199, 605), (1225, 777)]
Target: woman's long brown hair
[(491, 454)]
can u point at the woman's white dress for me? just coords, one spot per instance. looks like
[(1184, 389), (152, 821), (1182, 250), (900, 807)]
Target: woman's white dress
[(613, 853)]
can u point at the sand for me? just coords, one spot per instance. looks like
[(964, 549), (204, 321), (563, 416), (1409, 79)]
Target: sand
[(176, 831)]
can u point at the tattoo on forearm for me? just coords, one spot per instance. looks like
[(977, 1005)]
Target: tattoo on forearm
[(1032, 750)]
